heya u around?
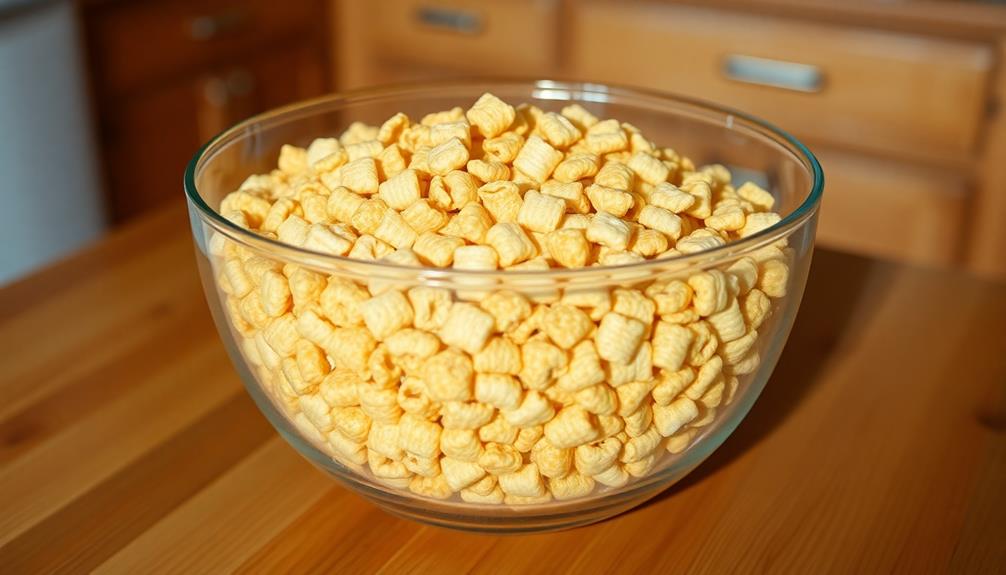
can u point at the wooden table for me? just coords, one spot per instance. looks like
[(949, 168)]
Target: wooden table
[(128, 445)]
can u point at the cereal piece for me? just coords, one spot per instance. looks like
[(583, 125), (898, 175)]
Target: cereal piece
[(527, 437), (498, 430), (757, 222), (460, 474), (756, 308), (499, 390), (729, 323), (540, 213), (648, 168), (444, 131), (773, 278), (566, 325), (490, 115), (494, 496), (535, 409), (661, 220), (668, 419), (571, 486), (606, 137), (383, 439), (710, 292), (552, 462), (419, 436), (413, 397), (632, 395), (508, 308), (360, 176), (471, 223), (461, 444), (670, 198), (503, 148), (499, 459), (614, 476), (571, 427), (401, 190), (430, 307), (671, 344), (385, 467), (511, 243), (394, 230), (465, 414), (526, 482), (488, 171), (702, 206), (467, 327), (422, 217), (326, 239), (449, 376), (577, 167), (380, 403), (558, 130), (353, 452), (368, 216), (681, 440), (726, 218), (579, 116), (435, 249), (292, 231), (311, 362), (758, 197), (500, 356), (537, 159), (568, 247), (387, 313), (618, 337), (448, 156), (734, 351), (368, 247), (598, 399), (594, 458), (352, 422), (541, 363), (502, 200), (584, 369), (435, 487), (609, 230), (704, 379), (698, 242), (704, 345), (610, 200)]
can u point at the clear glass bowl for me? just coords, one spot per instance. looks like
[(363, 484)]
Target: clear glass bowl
[(751, 148)]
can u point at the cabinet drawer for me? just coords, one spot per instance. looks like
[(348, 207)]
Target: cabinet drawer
[(893, 210), (873, 90), (485, 37), (135, 43)]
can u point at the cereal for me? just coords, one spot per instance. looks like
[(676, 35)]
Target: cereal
[(488, 389)]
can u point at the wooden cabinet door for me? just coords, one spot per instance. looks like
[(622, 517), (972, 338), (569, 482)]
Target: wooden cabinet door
[(151, 137)]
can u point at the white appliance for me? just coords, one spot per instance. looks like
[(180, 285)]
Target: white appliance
[(50, 199)]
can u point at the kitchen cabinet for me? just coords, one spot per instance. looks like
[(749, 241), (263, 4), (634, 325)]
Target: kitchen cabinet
[(167, 75), (905, 103)]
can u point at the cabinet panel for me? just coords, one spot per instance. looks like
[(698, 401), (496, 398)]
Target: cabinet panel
[(150, 139), (872, 90)]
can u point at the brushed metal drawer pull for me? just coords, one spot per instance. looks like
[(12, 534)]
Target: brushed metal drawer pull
[(775, 73), (451, 20)]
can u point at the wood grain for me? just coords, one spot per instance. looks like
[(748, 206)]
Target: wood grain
[(879, 445)]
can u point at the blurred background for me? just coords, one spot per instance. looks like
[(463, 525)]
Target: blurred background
[(103, 102)]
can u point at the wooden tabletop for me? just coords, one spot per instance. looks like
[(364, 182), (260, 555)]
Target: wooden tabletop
[(127, 444)]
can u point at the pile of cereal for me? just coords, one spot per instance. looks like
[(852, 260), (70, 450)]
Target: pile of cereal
[(497, 395)]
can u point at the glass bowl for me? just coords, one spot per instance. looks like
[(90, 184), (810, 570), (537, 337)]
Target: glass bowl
[(302, 412)]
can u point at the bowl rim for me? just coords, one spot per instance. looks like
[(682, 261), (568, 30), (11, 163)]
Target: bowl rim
[(791, 221)]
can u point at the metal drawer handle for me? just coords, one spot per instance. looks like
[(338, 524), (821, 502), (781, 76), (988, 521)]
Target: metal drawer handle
[(451, 20), (776, 73)]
